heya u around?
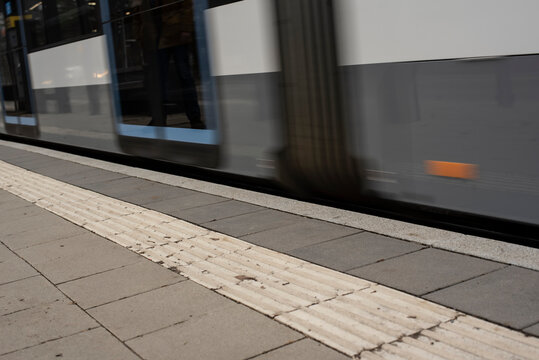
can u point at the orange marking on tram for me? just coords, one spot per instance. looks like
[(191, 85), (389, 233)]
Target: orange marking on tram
[(451, 169)]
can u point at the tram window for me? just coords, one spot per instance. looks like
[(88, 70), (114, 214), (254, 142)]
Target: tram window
[(49, 22)]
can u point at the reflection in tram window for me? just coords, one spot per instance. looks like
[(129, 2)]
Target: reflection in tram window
[(158, 67), (15, 85), (48, 22)]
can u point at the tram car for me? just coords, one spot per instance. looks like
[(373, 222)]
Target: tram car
[(430, 103)]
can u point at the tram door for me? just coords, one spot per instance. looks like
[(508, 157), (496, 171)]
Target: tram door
[(19, 117)]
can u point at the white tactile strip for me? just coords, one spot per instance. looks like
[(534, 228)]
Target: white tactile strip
[(466, 244), (357, 317)]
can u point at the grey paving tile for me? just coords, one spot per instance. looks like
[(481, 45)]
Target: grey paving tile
[(26, 294), (305, 349), (92, 177), (31, 235), (10, 201), (298, 235), (221, 210), (95, 344), (118, 187), (119, 283), (7, 152), (42, 219), (21, 214), (156, 192), (508, 296), (82, 255), (15, 269), (235, 332), (16, 156), (157, 309), (354, 251), (39, 324), (39, 163), (5, 253), (426, 270), (533, 330), (254, 222), (63, 169), (176, 206)]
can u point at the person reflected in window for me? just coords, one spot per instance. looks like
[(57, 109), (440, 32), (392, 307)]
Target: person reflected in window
[(176, 39)]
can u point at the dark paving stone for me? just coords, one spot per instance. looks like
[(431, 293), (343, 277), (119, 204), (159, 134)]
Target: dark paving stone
[(354, 251), (252, 223), (175, 207), (426, 270), (17, 156), (63, 170), (299, 235), (508, 296), (33, 164), (156, 192), (7, 153), (217, 211), (534, 330), (95, 176), (119, 187)]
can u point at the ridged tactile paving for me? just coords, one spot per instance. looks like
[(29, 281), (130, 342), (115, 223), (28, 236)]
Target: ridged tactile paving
[(354, 316)]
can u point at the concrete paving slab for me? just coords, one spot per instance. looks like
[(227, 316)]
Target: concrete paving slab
[(21, 213), (156, 192), (82, 255), (40, 220), (218, 211), (7, 152), (9, 201), (247, 224), (31, 236), (5, 253), (175, 206), (305, 349), (119, 187), (15, 269), (157, 309), (8, 206), (354, 251), (95, 176), (533, 330), (119, 283), (298, 235), (36, 325), (64, 169), (426, 270), (235, 332), (35, 164), (95, 344), (17, 156), (26, 294), (508, 296)]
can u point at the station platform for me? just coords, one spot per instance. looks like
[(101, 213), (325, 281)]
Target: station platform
[(104, 261)]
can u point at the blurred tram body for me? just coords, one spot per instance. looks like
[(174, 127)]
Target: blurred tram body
[(428, 103)]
